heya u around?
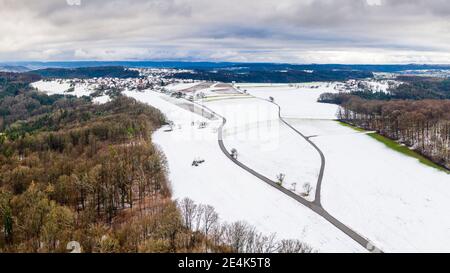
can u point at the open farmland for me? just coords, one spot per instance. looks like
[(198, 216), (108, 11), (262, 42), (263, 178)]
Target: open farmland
[(392, 199), (235, 194)]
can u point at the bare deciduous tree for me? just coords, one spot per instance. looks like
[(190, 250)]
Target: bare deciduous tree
[(293, 246), (210, 219), (238, 237), (198, 218), (280, 178), (307, 188), (235, 236), (188, 212)]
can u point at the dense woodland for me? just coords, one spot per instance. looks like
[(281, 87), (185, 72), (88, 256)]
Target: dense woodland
[(19, 102), (412, 88), (269, 75), (422, 124), (74, 171), (422, 88), (87, 72)]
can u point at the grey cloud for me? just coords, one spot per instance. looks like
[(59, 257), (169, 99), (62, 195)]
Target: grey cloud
[(282, 30)]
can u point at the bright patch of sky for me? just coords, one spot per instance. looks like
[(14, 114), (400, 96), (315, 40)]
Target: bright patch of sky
[(374, 2)]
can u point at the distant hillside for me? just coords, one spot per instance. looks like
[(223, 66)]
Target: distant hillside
[(11, 84), (13, 68), (270, 75), (87, 72), (412, 88), (226, 65)]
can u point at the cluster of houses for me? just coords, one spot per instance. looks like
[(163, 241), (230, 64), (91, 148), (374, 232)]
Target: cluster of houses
[(367, 85), (155, 79)]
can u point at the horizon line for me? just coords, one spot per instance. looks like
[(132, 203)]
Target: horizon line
[(214, 62)]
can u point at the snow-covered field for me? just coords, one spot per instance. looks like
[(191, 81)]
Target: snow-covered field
[(267, 145), (51, 87), (180, 86), (235, 194), (295, 105), (61, 87), (102, 99), (396, 202)]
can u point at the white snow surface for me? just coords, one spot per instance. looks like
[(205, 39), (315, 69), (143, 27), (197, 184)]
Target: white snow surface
[(235, 194), (394, 200), (293, 105), (266, 144), (51, 87), (61, 87), (398, 203), (102, 99), (180, 86)]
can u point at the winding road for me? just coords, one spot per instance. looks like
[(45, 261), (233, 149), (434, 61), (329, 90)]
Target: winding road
[(317, 199), (316, 205)]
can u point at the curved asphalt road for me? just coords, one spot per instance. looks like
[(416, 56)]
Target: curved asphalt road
[(317, 199), (314, 206)]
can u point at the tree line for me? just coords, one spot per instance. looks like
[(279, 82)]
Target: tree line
[(411, 88), (272, 75), (418, 88), (423, 125), (87, 72), (237, 237)]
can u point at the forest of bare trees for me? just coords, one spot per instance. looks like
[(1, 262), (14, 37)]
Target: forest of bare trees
[(237, 237), (423, 125), (72, 172)]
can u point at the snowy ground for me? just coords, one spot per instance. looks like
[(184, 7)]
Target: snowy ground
[(102, 99), (235, 194), (293, 105), (61, 87), (181, 86), (396, 202), (267, 145), (51, 87)]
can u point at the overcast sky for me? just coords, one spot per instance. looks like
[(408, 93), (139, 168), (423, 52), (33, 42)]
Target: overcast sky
[(293, 31)]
